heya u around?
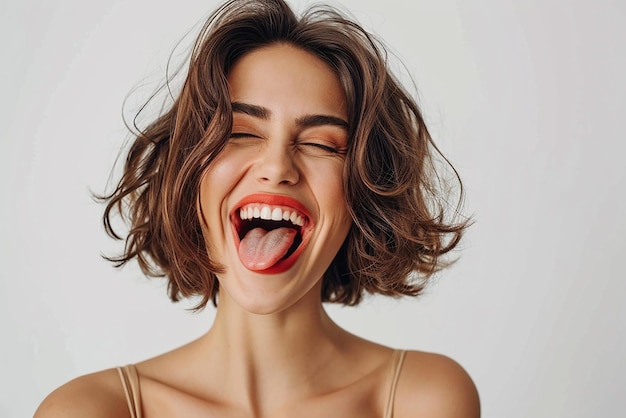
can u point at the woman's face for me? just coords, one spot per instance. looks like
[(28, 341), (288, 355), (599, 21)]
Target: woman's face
[(272, 201)]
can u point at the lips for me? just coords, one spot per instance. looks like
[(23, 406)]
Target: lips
[(270, 231)]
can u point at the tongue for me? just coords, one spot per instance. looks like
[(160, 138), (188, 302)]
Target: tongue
[(261, 249)]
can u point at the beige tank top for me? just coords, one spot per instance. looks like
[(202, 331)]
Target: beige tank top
[(130, 382)]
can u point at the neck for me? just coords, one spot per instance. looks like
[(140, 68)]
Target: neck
[(266, 357)]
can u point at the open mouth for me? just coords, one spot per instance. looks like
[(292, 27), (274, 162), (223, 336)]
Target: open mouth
[(269, 237)]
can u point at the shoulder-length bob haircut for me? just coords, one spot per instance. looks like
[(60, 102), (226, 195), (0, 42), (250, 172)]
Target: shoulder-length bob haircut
[(396, 198)]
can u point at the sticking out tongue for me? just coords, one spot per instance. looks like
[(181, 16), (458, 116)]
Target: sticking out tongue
[(261, 249)]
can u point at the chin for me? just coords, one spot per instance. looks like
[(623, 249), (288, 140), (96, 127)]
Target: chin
[(261, 305), (262, 294)]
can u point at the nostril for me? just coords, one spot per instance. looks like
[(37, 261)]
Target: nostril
[(276, 165), (286, 176)]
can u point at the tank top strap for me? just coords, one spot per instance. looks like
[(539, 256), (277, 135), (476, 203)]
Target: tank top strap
[(130, 383), (393, 375)]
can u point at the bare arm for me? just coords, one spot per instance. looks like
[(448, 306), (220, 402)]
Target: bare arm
[(435, 386), (98, 395)]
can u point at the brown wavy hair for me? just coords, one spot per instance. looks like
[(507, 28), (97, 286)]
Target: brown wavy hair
[(396, 197)]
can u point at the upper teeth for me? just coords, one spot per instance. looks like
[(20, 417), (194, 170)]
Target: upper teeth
[(271, 214)]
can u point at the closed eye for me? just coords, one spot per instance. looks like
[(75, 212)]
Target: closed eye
[(323, 147), (236, 135)]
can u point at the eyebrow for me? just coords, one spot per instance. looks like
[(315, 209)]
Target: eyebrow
[(252, 110), (305, 121)]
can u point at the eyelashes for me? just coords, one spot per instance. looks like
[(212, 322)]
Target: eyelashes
[(308, 146), (323, 147), (241, 135)]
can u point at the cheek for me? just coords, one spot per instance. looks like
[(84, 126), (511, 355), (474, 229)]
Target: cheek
[(218, 181), (328, 183), (213, 187), (223, 172), (217, 174)]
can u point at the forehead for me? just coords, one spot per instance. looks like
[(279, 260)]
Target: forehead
[(284, 75)]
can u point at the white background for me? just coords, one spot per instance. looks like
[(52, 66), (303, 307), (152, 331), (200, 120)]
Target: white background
[(527, 98)]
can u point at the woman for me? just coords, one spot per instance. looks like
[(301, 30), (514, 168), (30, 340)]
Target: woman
[(291, 170)]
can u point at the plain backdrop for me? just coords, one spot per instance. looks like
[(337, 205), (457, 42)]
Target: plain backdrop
[(527, 99)]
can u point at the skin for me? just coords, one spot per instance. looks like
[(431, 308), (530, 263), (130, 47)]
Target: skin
[(272, 351)]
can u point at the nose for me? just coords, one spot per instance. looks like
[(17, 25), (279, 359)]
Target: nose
[(276, 166)]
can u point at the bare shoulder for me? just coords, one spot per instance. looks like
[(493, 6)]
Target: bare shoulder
[(435, 386), (96, 395)]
